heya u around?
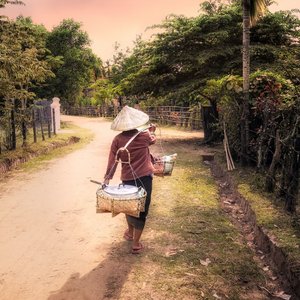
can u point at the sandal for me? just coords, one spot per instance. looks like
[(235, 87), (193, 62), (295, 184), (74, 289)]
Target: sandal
[(127, 237), (138, 249)]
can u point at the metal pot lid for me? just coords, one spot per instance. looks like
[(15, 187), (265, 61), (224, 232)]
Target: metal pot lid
[(121, 189)]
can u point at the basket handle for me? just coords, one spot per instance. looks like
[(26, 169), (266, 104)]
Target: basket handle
[(103, 185), (144, 191), (128, 155)]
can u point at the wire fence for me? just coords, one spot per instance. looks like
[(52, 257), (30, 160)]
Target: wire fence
[(22, 126), (277, 157), (91, 111), (188, 117)]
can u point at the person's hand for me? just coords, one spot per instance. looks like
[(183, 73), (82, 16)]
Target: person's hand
[(152, 128)]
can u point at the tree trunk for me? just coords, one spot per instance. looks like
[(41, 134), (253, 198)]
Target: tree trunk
[(13, 127), (41, 121), (270, 179), (293, 187), (24, 133), (260, 142), (246, 72), (23, 122), (210, 119), (34, 126)]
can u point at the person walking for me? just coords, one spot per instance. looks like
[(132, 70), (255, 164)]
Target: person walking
[(139, 171)]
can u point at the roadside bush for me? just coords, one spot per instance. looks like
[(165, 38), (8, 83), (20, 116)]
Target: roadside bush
[(274, 127)]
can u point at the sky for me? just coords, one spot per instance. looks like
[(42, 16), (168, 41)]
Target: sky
[(111, 21)]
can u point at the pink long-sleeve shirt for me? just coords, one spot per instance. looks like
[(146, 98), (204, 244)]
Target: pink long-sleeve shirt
[(140, 159)]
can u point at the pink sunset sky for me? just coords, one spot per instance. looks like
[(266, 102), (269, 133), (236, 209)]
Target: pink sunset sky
[(110, 21)]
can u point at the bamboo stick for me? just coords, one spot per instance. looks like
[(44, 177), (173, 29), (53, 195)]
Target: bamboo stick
[(229, 160)]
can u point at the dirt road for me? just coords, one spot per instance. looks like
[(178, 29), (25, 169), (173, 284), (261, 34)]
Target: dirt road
[(49, 230)]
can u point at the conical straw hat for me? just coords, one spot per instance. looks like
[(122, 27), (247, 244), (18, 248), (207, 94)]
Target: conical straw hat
[(129, 118)]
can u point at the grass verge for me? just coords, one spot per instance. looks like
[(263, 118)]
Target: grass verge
[(56, 146), (194, 252), (282, 227)]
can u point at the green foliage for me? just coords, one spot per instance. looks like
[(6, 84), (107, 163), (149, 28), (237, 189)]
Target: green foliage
[(275, 44), (79, 68), (3, 3), (279, 28), (67, 35), (23, 66), (271, 92), (274, 126), (103, 92), (271, 95), (186, 52), (21, 61), (257, 9), (212, 6), (37, 64)]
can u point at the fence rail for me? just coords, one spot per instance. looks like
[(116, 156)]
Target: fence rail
[(15, 122), (20, 126), (188, 117)]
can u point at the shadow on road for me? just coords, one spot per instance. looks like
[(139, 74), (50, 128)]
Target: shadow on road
[(105, 281)]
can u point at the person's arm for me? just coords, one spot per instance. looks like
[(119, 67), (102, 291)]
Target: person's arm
[(111, 164)]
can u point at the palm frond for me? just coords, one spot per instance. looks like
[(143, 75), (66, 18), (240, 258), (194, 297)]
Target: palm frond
[(3, 3), (257, 9)]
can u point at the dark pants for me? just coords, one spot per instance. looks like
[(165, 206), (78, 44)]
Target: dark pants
[(146, 183)]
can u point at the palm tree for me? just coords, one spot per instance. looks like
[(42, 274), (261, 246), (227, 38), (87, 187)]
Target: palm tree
[(252, 10)]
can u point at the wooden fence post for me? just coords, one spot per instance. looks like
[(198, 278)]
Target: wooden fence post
[(24, 128), (49, 127), (34, 126), (54, 124), (13, 128), (41, 120)]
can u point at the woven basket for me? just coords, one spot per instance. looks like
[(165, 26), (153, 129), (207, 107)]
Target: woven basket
[(128, 204), (164, 166)]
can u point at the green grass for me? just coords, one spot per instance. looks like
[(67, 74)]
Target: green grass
[(273, 217), (185, 228), (57, 141), (283, 227)]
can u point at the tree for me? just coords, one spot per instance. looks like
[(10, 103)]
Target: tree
[(80, 66), (3, 3), (274, 127), (186, 52), (176, 62), (252, 10), (103, 92), (21, 67), (174, 66)]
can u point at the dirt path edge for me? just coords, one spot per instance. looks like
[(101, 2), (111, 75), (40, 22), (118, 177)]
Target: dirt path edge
[(273, 254), (9, 164)]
